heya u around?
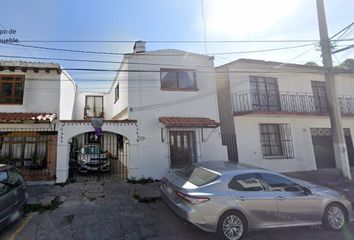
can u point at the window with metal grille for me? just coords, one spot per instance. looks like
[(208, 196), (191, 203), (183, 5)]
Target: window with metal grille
[(264, 93), (276, 141)]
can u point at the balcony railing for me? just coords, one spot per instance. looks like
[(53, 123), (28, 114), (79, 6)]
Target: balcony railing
[(92, 112), (288, 102)]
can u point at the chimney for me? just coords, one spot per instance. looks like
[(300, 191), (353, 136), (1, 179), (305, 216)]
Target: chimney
[(139, 46)]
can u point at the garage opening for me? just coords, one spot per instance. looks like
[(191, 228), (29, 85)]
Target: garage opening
[(323, 147), (101, 157)]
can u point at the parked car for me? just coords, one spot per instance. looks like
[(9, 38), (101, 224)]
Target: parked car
[(231, 199), (13, 195), (92, 158)]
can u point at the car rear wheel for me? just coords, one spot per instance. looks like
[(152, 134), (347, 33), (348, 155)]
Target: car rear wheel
[(232, 225), (334, 217)]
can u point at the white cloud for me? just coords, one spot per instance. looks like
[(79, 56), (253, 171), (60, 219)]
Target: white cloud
[(238, 18)]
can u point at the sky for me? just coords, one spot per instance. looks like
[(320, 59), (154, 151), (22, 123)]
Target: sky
[(172, 21)]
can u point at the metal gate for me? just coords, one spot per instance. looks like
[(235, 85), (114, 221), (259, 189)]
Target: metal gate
[(32, 150), (98, 158), (323, 147)]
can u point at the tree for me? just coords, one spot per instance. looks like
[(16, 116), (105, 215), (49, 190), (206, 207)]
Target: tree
[(348, 64), (312, 64)]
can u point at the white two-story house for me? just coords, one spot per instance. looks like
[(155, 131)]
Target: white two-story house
[(160, 113), (34, 97), (279, 113), (172, 95)]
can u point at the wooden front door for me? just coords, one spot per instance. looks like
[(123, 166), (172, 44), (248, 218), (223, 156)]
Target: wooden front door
[(182, 148)]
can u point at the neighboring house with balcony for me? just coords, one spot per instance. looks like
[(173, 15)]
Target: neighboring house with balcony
[(279, 113), (34, 97)]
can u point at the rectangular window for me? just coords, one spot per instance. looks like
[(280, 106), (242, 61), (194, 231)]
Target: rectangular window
[(116, 93), (94, 107), (276, 141), (265, 94), (178, 79), (319, 96), (11, 89)]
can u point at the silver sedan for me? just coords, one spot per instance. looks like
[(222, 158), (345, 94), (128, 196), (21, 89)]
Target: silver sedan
[(231, 199)]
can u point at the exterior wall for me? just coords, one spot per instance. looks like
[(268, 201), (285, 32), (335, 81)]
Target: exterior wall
[(41, 92), (117, 110), (147, 102), (80, 103), (290, 79), (67, 97), (249, 143)]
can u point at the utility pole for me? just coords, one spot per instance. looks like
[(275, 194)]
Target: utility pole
[(340, 149)]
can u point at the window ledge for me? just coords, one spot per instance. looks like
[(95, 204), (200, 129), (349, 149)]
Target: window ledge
[(11, 103), (277, 157)]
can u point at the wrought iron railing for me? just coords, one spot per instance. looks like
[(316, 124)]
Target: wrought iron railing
[(288, 102), (92, 112)]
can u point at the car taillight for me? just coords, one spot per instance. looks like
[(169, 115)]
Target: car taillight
[(192, 199)]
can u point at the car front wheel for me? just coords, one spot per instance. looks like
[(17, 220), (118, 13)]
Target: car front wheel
[(232, 226), (334, 217)]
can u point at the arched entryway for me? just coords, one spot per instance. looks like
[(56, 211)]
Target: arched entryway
[(96, 158), (77, 140)]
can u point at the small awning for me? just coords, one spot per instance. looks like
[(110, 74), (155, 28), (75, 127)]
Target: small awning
[(193, 122), (18, 117)]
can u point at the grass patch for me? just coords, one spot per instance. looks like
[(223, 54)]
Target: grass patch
[(141, 199), (142, 180)]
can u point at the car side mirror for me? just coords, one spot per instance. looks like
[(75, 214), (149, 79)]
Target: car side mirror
[(306, 191)]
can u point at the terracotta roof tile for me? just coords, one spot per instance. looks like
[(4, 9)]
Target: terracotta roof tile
[(28, 116), (188, 122)]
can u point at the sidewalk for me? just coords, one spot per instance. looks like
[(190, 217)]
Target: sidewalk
[(111, 210)]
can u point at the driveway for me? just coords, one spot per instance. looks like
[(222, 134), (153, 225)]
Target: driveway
[(108, 210)]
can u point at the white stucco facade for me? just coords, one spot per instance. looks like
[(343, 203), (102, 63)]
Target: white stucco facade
[(141, 98)]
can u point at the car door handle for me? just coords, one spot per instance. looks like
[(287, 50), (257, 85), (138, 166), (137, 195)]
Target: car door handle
[(280, 198), (242, 198)]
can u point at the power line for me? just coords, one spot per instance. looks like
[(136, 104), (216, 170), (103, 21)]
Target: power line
[(90, 60), (149, 54), (342, 31), (177, 41), (171, 41)]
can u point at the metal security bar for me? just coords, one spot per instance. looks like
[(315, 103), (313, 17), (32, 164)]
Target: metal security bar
[(287, 102), (98, 158), (276, 141), (32, 151)]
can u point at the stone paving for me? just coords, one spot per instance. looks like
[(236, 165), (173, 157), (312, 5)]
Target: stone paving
[(108, 210)]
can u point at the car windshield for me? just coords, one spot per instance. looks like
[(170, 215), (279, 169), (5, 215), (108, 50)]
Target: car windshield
[(196, 175), (9, 180), (92, 149)]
